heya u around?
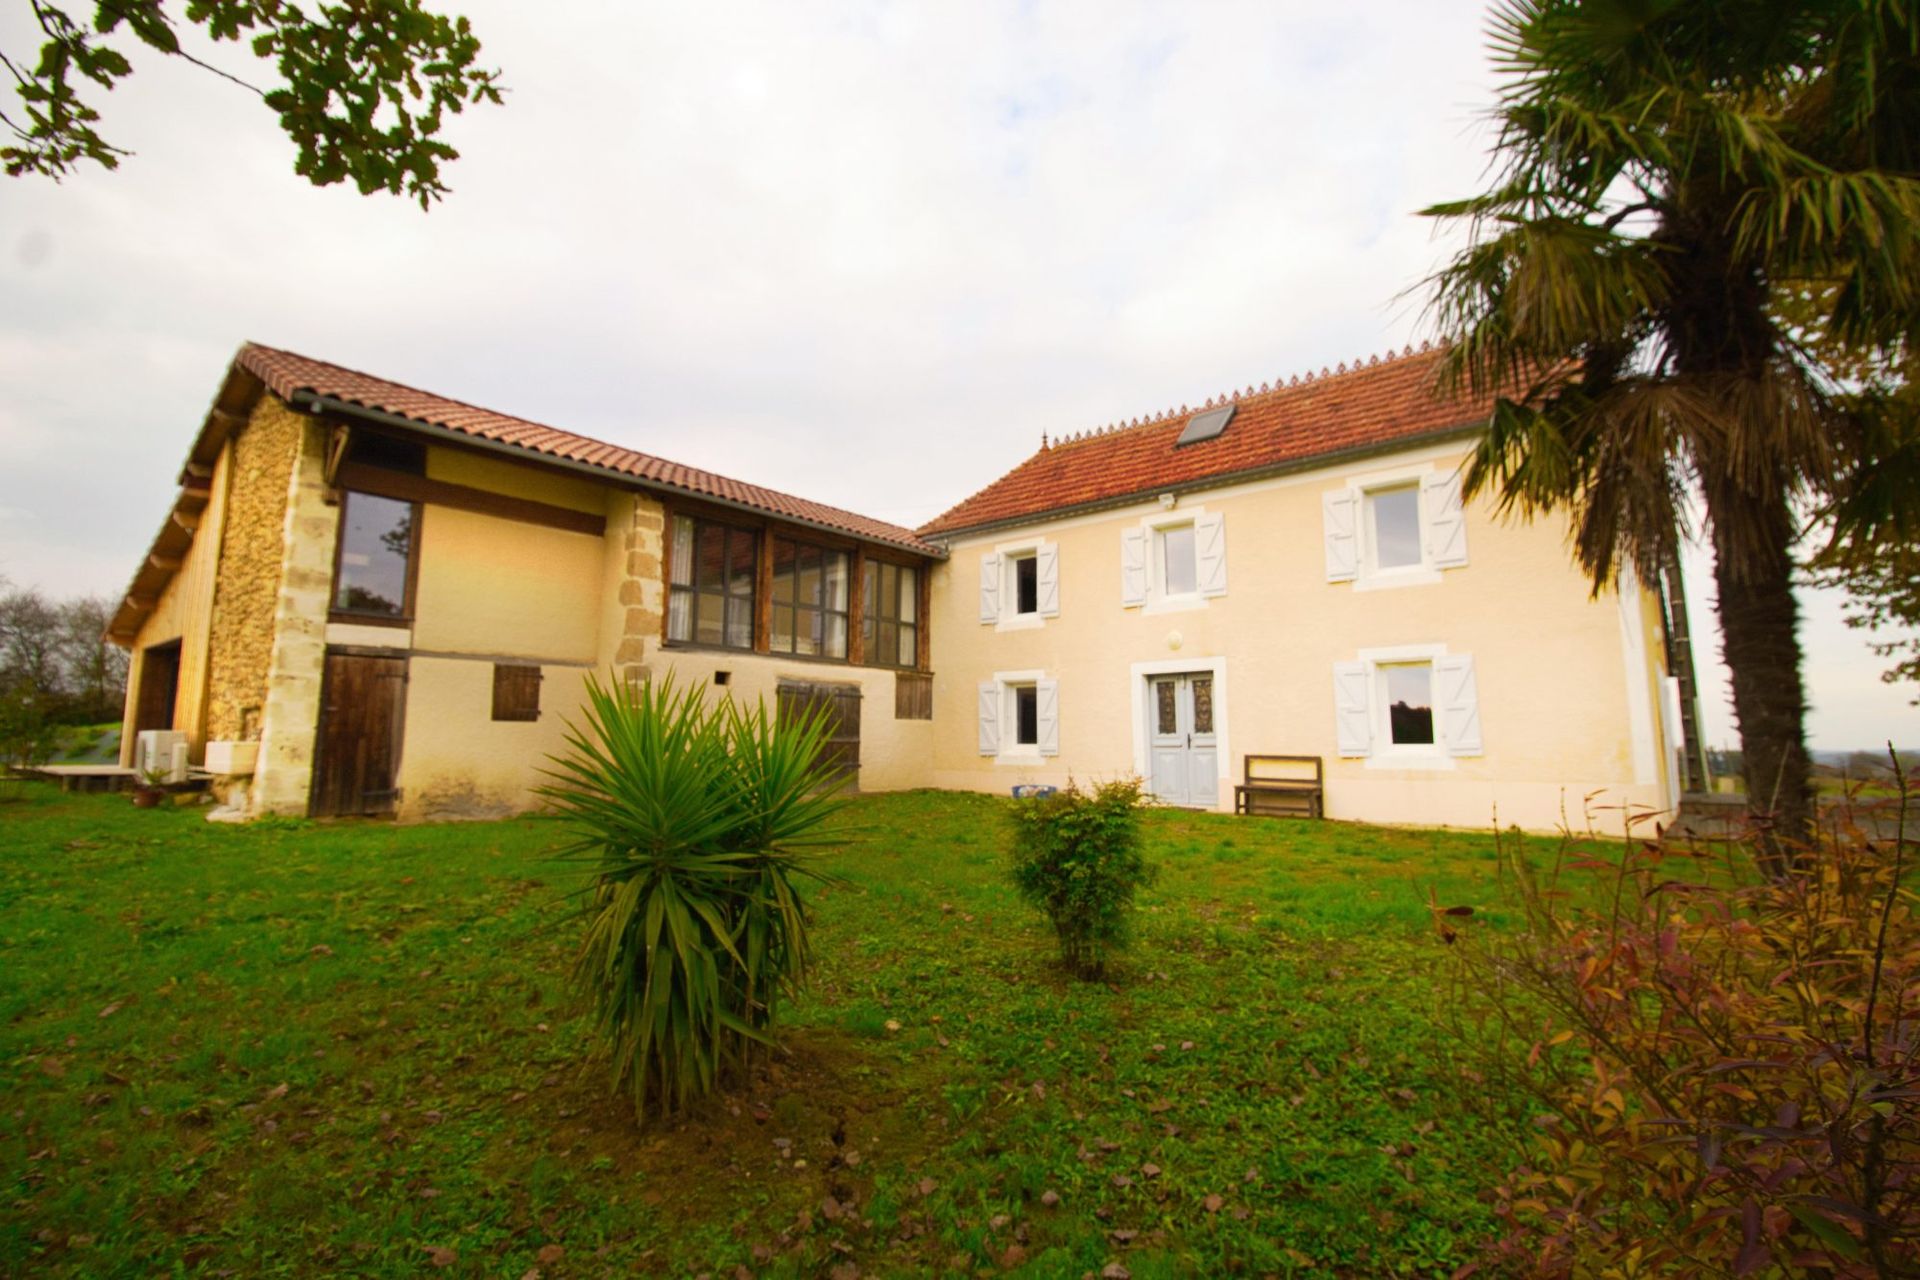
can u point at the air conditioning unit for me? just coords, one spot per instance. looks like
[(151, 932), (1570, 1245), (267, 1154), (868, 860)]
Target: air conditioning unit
[(162, 752)]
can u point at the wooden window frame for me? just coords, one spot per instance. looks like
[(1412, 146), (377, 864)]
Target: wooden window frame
[(756, 600), (861, 554), (335, 612), (881, 615), (773, 575)]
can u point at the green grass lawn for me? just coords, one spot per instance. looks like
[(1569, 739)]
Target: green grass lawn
[(294, 1048)]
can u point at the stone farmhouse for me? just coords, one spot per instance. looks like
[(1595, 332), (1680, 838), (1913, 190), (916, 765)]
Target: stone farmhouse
[(372, 600)]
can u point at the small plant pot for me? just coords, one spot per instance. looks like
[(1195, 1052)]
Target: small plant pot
[(147, 797)]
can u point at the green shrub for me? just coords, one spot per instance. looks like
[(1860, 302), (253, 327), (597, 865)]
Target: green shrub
[(1076, 857), (699, 821), (1727, 1075)]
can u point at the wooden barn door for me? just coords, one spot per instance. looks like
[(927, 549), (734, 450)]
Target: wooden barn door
[(357, 757), (842, 703)]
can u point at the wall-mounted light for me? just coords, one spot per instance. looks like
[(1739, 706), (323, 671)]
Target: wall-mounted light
[(1167, 501)]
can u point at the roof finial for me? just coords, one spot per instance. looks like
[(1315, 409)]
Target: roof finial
[(1043, 442)]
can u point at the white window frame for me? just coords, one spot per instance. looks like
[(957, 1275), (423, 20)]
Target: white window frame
[(1012, 752), (1158, 599), (1385, 753), (1368, 575), (1024, 549)]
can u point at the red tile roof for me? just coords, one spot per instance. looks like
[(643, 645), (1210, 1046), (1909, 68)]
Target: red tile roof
[(287, 374), (1376, 403)]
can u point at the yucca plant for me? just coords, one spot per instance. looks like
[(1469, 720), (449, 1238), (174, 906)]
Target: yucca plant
[(699, 820)]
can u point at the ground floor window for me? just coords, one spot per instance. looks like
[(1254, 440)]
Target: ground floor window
[(1413, 706)]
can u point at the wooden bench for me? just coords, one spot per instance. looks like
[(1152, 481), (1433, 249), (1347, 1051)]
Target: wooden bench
[(1282, 787)]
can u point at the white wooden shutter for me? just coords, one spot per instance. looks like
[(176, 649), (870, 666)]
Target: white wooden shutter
[(1352, 708), (1459, 699), (989, 718), (1339, 510), (1133, 567), (1446, 521), (1210, 553), (1046, 571), (990, 587), (1046, 705)]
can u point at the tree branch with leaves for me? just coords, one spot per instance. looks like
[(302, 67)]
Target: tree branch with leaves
[(364, 89)]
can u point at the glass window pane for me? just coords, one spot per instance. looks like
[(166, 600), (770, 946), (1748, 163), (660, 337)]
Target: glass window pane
[(834, 569), (680, 615), (889, 640), (1396, 527), (806, 631), (909, 595), (1166, 712), (909, 654), (782, 640), (376, 540), (783, 553), (834, 643), (682, 551), (807, 575), (739, 623), (1027, 713), (1202, 704), (709, 556), (708, 607), (1177, 569), (740, 566), (1410, 703), (1026, 576), (869, 586)]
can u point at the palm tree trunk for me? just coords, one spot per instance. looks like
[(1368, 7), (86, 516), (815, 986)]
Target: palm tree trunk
[(1759, 623)]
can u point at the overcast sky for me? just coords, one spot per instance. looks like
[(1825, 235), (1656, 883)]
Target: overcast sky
[(862, 252)]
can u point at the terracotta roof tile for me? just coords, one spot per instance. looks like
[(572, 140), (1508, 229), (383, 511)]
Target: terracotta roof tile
[(1375, 402), (286, 374)]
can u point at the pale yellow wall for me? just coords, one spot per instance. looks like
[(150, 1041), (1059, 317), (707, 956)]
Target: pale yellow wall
[(458, 762), (498, 475), (184, 612), (489, 585), (1549, 658), (895, 755)]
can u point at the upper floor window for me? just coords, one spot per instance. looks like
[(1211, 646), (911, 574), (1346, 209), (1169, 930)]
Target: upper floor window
[(891, 614), (374, 576), (710, 591), (1173, 552), (1174, 561), (1020, 585), (1395, 530), (1393, 527), (810, 587)]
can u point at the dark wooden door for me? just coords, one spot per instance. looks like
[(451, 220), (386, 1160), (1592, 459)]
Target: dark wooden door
[(357, 755), (159, 687), (841, 704)]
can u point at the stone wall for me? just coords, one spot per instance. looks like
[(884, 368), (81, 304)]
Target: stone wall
[(248, 584), (642, 590), (291, 709)]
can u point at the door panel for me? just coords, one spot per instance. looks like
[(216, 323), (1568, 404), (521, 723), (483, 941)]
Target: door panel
[(357, 756), (1183, 752)]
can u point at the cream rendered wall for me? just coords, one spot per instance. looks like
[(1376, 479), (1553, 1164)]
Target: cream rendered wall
[(184, 612), (491, 589), (895, 755), (1550, 660)]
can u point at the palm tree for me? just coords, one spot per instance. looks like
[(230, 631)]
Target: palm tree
[(1667, 174)]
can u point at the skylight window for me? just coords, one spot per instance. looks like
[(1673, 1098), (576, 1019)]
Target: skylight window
[(1207, 425)]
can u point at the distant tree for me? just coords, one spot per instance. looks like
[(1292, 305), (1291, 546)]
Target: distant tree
[(30, 644), (1668, 173), (365, 87), (95, 670)]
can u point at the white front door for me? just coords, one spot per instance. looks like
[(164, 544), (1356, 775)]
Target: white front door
[(1182, 749)]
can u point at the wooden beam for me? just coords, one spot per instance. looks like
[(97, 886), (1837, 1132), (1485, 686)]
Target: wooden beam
[(188, 520), (361, 478), (166, 564), (857, 610)]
